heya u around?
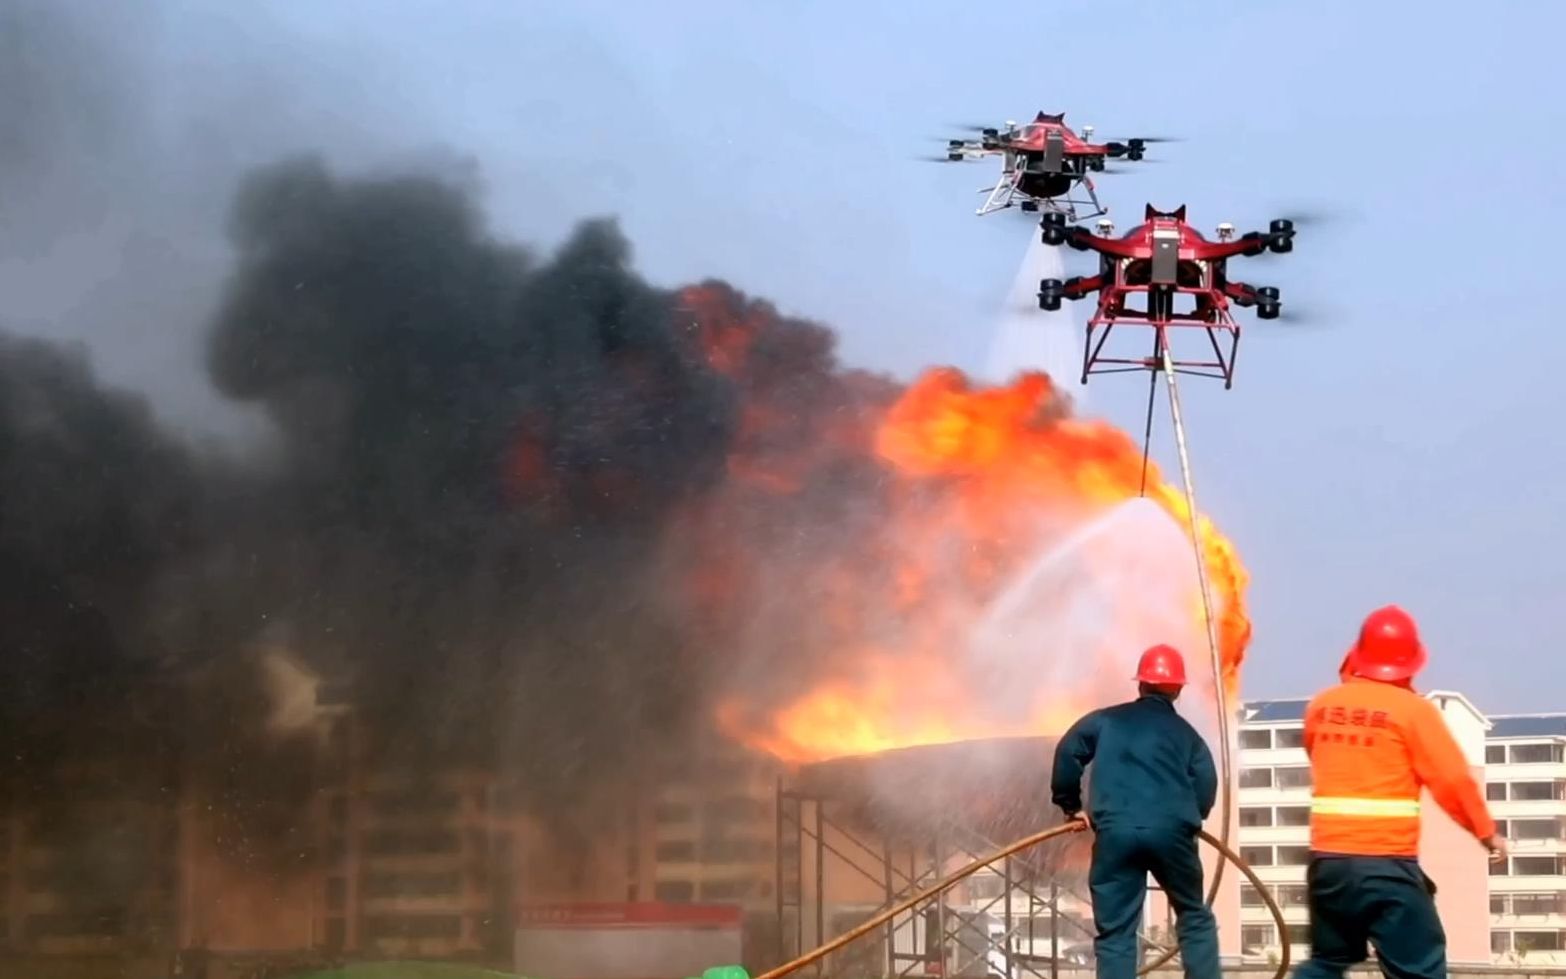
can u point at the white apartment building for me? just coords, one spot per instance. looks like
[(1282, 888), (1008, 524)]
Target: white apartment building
[(1523, 761), (1525, 782), (1273, 823)]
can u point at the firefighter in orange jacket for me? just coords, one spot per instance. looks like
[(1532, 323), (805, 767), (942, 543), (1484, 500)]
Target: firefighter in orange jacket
[(1374, 744)]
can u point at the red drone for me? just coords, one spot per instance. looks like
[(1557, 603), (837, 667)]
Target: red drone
[(1044, 163), (1164, 259)]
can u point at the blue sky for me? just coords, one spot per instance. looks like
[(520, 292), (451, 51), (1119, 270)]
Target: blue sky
[(1407, 449)]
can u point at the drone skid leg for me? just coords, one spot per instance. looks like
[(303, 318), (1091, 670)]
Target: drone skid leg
[(1080, 208), (1001, 194)]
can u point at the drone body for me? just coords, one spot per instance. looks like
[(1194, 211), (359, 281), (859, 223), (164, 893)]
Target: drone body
[(1046, 166), (1164, 274)]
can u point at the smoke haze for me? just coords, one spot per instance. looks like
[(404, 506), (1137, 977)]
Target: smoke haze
[(530, 510)]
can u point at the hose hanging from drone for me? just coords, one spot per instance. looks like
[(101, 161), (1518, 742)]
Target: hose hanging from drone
[(1163, 363), (946, 883)]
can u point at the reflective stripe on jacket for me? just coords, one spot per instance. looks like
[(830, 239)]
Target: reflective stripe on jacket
[(1373, 747)]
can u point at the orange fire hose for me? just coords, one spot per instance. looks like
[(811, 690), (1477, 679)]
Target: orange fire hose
[(947, 882)]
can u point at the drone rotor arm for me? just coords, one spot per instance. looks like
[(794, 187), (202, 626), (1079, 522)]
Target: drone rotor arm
[(1243, 294), (1078, 286)]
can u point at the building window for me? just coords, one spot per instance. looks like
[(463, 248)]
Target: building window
[(1536, 941), (1535, 904), (674, 891), (1256, 778), (1536, 791), (1499, 869), (1257, 856), (1256, 738), (1535, 866), (737, 851), (726, 890), (1534, 829), (1495, 754), (389, 926), (1291, 737), (1294, 778), (1294, 815), (1254, 938), (738, 808), (676, 851), (1299, 934), (1292, 895), (672, 812), (1256, 816), (985, 886), (1536, 754), (1498, 904), (1500, 942), (336, 934), (390, 842), (416, 885), (1250, 897), (1495, 792), (1293, 856)]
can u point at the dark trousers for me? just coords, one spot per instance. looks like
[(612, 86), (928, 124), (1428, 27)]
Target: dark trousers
[(1122, 859), (1385, 902)]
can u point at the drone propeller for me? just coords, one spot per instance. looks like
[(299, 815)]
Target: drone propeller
[(972, 126), (1293, 318), (1309, 217)]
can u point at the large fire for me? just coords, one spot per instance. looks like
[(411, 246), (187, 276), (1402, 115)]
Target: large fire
[(866, 530)]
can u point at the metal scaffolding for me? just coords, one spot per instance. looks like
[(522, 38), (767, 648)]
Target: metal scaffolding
[(840, 861)]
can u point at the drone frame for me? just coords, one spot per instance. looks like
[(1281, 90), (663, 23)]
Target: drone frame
[(1211, 316)]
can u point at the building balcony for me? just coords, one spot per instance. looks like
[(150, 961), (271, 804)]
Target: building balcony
[(1263, 916), (1274, 835), (458, 903), (1512, 883), (1281, 875), (1537, 772), (1527, 808), (1269, 757)]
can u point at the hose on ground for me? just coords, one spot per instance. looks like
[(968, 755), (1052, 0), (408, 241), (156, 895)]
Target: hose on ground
[(946, 883)]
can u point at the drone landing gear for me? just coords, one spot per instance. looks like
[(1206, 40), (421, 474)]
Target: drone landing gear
[(1223, 334), (1002, 193)]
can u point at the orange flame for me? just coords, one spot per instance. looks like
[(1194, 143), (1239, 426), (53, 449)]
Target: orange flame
[(867, 528)]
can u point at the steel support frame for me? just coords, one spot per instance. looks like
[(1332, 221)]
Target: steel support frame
[(807, 835)]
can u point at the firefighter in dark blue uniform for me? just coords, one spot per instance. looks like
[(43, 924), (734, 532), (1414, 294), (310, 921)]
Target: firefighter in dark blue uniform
[(1154, 782)]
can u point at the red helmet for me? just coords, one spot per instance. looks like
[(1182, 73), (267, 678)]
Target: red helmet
[(1388, 648), (1162, 665)]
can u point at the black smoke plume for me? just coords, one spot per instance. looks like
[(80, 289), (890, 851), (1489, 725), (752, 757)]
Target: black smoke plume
[(464, 520)]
